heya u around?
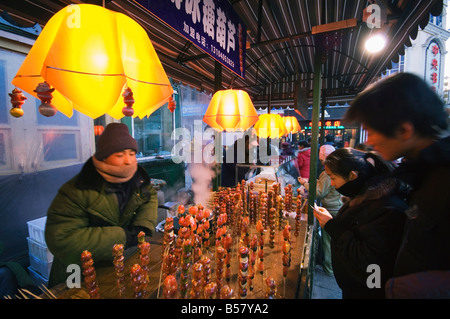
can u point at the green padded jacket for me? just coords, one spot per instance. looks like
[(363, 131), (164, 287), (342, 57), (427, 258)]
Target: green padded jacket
[(85, 216)]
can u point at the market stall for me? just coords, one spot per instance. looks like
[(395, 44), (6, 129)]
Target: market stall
[(242, 244)]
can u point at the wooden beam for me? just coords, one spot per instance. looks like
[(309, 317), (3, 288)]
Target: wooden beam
[(334, 26)]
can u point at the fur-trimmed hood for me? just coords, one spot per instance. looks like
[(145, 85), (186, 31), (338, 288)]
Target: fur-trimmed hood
[(376, 188)]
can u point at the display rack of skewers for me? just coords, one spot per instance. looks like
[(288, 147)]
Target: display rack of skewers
[(245, 244)]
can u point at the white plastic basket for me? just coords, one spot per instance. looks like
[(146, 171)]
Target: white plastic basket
[(37, 278), (36, 229), (39, 250), (41, 267)]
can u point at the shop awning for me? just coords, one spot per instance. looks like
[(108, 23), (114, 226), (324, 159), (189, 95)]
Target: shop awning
[(280, 44)]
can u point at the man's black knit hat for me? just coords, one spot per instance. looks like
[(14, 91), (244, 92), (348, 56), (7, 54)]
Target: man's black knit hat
[(115, 138)]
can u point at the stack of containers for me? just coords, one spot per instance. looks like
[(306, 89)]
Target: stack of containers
[(41, 258)]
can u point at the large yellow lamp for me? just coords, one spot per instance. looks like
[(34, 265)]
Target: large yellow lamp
[(230, 110), (270, 126), (291, 123), (90, 56)]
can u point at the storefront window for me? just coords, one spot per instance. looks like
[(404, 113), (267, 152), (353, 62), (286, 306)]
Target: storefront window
[(58, 146), (3, 92), (154, 133), (193, 107), (34, 142)]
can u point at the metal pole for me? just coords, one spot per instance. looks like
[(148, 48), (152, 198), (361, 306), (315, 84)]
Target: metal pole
[(315, 132), (217, 87)]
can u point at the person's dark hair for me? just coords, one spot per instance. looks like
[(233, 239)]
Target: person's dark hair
[(363, 147), (303, 143), (400, 98), (344, 160)]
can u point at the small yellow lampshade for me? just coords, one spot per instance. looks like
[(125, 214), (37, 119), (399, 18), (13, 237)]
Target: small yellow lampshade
[(90, 54), (291, 123), (270, 125), (230, 110)]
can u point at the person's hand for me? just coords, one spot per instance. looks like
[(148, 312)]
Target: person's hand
[(132, 235), (302, 181), (322, 215)]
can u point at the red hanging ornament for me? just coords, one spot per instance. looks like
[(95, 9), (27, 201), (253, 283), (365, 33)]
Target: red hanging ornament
[(44, 93), (172, 105), (98, 130), (129, 101), (17, 100)]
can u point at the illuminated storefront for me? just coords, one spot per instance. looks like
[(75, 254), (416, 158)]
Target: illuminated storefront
[(341, 134)]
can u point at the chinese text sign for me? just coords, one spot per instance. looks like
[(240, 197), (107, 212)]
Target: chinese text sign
[(212, 25)]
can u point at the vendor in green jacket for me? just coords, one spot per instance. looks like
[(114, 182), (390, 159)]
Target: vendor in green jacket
[(109, 202)]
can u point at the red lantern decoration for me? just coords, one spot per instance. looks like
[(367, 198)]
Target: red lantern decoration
[(129, 101), (172, 105), (44, 93), (98, 130), (17, 100)]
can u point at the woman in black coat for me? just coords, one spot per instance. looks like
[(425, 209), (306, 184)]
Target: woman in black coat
[(367, 231)]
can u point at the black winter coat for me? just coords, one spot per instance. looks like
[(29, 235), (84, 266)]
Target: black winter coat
[(367, 231), (426, 243)]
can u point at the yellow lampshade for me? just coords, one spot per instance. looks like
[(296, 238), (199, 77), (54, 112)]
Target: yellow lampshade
[(90, 54), (291, 123), (230, 110), (270, 125)]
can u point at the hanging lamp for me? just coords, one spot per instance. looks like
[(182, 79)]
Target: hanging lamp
[(291, 123), (90, 55), (230, 110), (270, 126)]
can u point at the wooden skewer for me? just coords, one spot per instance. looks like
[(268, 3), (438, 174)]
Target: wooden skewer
[(47, 292), (30, 293)]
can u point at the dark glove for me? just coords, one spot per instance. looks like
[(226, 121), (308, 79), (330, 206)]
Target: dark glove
[(131, 234)]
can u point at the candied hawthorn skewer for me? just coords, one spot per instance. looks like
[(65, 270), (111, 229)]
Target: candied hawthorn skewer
[(286, 249), (185, 264), (206, 261), (298, 214), (138, 281), (244, 197), (170, 287), (90, 276), (144, 260), (169, 261), (168, 234), (254, 247), (119, 267), (279, 209), (286, 254), (271, 288), (227, 241), (226, 292), (210, 290), (260, 229), (288, 198), (220, 257), (141, 239), (272, 227), (264, 209), (243, 271), (197, 280)]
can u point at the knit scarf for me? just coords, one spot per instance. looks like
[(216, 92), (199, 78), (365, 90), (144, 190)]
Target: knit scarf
[(115, 174)]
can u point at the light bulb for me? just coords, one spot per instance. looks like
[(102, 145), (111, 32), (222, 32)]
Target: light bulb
[(376, 43)]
